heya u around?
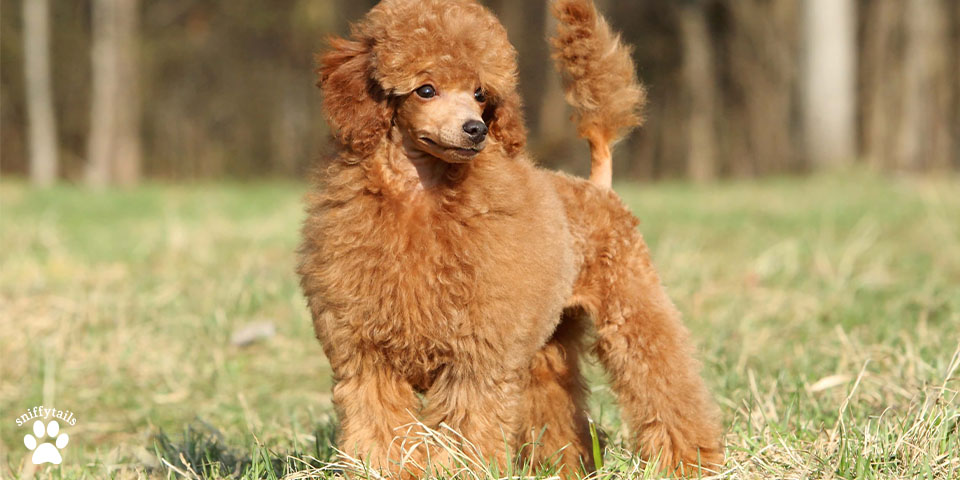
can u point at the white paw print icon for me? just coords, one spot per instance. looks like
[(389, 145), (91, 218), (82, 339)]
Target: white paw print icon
[(46, 452)]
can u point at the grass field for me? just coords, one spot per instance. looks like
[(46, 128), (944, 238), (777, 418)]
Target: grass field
[(826, 311)]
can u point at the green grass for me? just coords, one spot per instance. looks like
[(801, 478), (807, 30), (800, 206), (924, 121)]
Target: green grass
[(826, 311)]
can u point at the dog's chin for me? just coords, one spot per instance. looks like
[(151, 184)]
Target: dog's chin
[(450, 154)]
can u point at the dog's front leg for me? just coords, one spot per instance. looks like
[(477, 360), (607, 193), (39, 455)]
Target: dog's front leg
[(374, 404), (475, 408)]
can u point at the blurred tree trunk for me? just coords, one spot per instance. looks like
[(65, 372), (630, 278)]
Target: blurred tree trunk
[(113, 152), (698, 75), (653, 151), (956, 85), (829, 80), (757, 134), (42, 123), (526, 24), (925, 140), (553, 119), (911, 97), (290, 125), (882, 77)]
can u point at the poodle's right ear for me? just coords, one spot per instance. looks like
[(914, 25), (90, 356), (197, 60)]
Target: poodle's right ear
[(355, 105)]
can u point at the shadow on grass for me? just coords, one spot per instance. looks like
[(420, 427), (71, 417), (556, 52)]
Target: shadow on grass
[(201, 451)]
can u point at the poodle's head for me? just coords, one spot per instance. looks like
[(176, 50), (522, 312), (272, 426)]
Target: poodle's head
[(442, 71)]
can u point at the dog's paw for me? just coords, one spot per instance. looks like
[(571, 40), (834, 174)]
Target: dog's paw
[(673, 453)]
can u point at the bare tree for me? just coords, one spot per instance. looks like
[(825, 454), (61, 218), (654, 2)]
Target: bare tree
[(113, 152), (881, 101), (698, 74), (554, 122), (42, 124), (910, 89), (829, 80), (925, 139)]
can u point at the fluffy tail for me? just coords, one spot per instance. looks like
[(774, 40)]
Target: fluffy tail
[(600, 81)]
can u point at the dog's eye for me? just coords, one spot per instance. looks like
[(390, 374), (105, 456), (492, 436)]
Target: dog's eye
[(480, 95), (426, 91)]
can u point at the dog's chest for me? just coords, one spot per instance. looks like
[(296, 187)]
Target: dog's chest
[(422, 290)]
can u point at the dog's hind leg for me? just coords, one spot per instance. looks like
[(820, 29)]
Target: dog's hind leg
[(554, 428), (641, 340)]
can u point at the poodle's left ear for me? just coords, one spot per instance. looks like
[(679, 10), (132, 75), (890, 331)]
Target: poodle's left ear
[(505, 121), (355, 105)]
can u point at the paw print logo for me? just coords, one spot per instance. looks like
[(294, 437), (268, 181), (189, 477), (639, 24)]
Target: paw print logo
[(46, 452)]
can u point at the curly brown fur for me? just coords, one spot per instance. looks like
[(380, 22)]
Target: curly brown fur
[(600, 81), (440, 261)]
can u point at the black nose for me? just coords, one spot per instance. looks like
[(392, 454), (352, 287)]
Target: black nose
[(476, 129)]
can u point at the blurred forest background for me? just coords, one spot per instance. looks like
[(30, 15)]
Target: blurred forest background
[(114, 91)]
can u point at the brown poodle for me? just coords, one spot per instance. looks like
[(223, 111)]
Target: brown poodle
[(452, 281)]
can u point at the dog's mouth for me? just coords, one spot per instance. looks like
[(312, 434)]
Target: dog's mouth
[(458, 153)]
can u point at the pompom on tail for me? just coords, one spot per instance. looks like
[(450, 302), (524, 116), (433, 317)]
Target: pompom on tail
[(600, 81)]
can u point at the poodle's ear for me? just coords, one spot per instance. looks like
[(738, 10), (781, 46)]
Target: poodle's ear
[(355, 105), (505, 120)]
